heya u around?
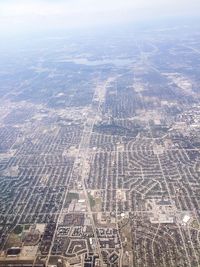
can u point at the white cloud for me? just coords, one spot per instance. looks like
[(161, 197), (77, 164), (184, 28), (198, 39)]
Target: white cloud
[(76, 13)]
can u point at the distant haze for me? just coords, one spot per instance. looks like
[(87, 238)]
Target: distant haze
[(16, 15)]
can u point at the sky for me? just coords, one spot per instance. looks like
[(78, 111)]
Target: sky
[(27, 15)]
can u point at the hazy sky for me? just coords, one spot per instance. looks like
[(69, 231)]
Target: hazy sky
[(43, 14)]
